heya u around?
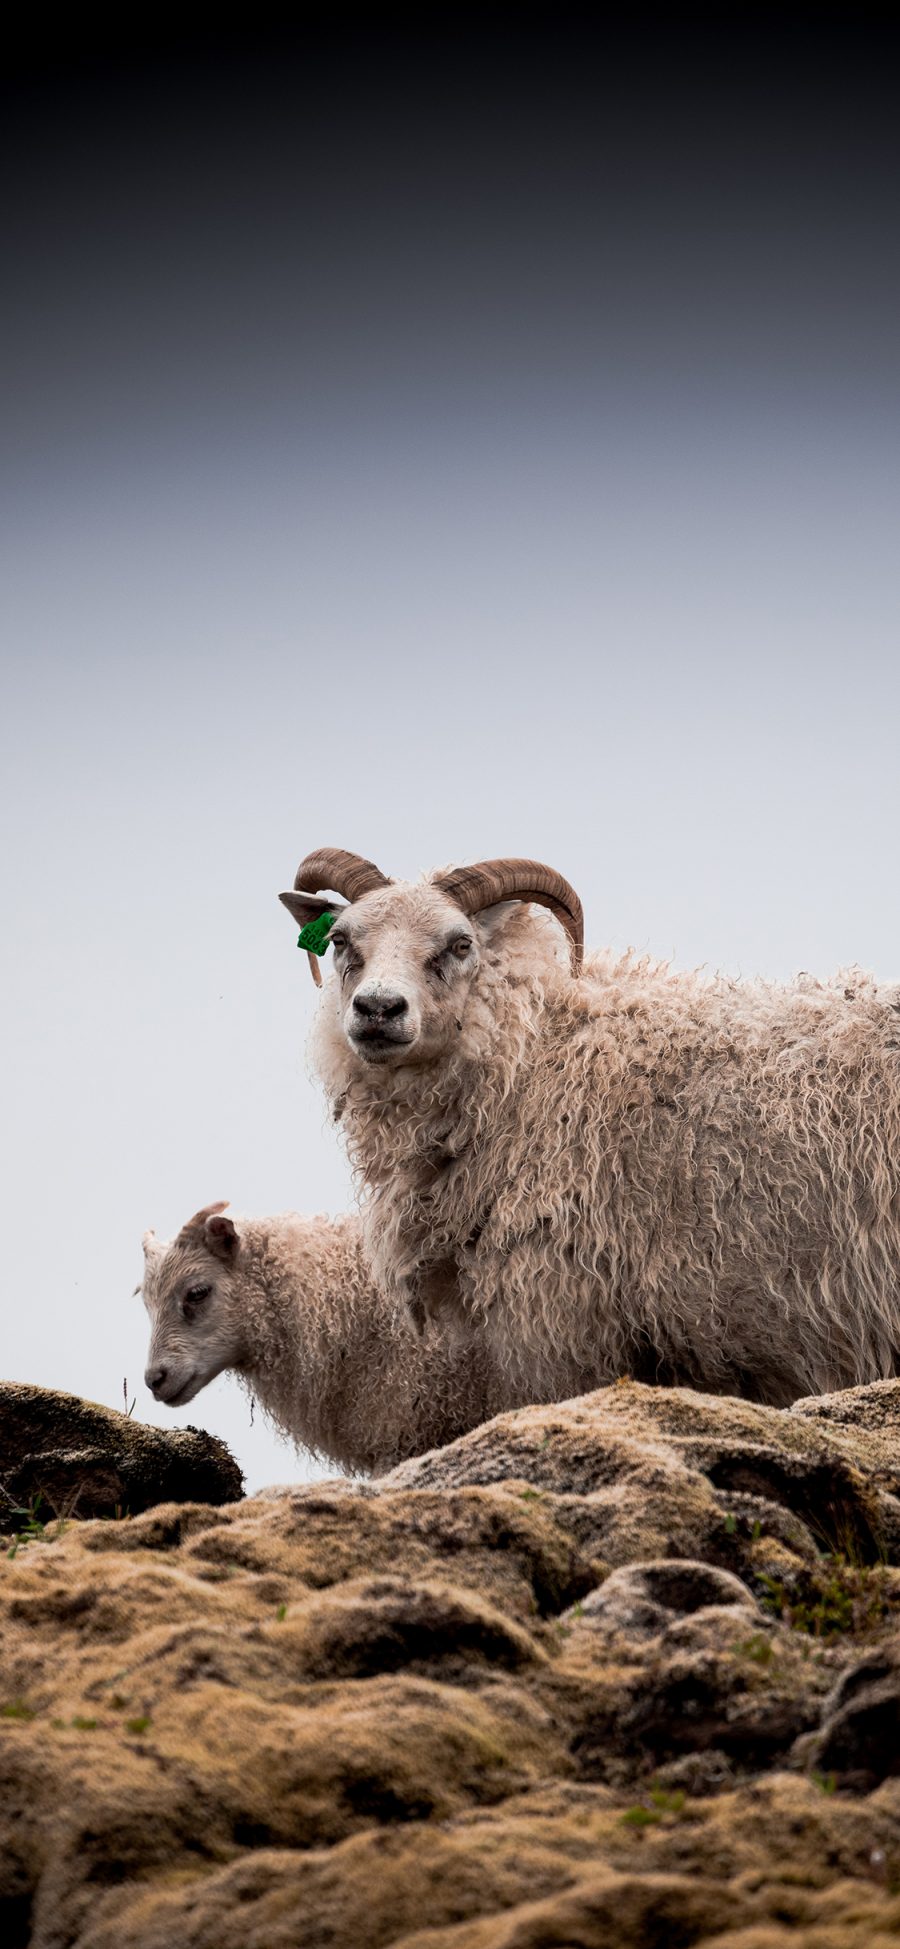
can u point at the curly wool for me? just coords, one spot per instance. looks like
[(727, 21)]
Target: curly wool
[(642, 1172), (334, 1362)]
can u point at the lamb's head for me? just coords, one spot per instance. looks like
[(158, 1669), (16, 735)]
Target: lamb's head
[(190, 1292), (407, 957)]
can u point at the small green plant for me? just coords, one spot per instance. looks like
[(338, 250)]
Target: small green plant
[(84, 1725), (826, 1782), (662, 1802), (831, 1597), (137, 1726), (17, 1709), (530, 1495), (640, 1817), (31, 1530), (281, 1613), (666, 1802), (735, 1525), (759, 1648)]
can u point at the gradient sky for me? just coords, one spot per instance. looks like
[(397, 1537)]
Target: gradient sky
[(438, 448)]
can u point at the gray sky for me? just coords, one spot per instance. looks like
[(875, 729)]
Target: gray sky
[(477, 554)]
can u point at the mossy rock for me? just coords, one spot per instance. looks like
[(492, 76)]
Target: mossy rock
[(64, 1456)]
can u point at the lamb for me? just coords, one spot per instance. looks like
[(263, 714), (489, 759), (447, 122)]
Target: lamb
[(287, 1304), (602, 1167)]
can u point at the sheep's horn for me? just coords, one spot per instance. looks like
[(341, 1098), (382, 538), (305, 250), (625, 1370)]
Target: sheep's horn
[(492, 880), (345, 873)]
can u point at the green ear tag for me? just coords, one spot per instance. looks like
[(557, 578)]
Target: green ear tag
[(314, 936)]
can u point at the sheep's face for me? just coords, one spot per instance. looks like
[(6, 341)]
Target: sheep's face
[(195, 1320), (406, 959)]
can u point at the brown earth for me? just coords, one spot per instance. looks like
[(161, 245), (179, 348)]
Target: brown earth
[(622, 1673)]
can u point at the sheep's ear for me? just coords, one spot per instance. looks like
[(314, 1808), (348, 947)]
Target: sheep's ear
[(212, 1228), (308, 906), (221, 1236), (492, 921)]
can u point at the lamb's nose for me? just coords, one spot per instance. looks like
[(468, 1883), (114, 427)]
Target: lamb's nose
[(380, 1008), (155, 1377)]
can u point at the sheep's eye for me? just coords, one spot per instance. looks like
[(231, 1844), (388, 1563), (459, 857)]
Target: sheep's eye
[(338, 942), (195, 1295), (461, 946)]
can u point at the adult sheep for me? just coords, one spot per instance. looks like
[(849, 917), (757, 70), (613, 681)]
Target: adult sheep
[(601, 1166), (287, 1304)]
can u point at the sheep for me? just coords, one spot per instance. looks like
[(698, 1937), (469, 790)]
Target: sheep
[(286, 1303), (601, 1167)]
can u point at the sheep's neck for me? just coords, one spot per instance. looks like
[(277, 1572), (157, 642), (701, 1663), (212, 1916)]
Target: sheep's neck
[(424, 1121), (306, 1338)]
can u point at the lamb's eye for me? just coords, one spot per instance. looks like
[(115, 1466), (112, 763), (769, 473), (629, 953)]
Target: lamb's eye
[(461, 946), (195, 1295), (338, 942)]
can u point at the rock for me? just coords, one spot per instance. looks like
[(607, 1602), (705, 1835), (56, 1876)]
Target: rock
[(873, 1411), (645, 1598), (671, 1462), (859, 1738), (383, 1624), (86, 1460), (598, 1674), (875, 1407)]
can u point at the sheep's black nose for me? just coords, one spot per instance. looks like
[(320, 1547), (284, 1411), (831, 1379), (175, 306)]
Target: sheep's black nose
[(380, 1008), (155, 1377)]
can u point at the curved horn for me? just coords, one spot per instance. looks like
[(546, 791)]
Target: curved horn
[(492, 880), (345, 873)]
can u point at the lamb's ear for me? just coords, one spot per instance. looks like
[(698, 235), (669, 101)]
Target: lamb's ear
[(201, 1222), (308, 906), (492, 920), (221, 1236)]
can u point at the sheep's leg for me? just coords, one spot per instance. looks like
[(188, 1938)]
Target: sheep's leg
[(433, 1293)]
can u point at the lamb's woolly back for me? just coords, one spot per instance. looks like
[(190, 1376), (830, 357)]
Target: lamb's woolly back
[(336, 1362), (640, 1171)]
